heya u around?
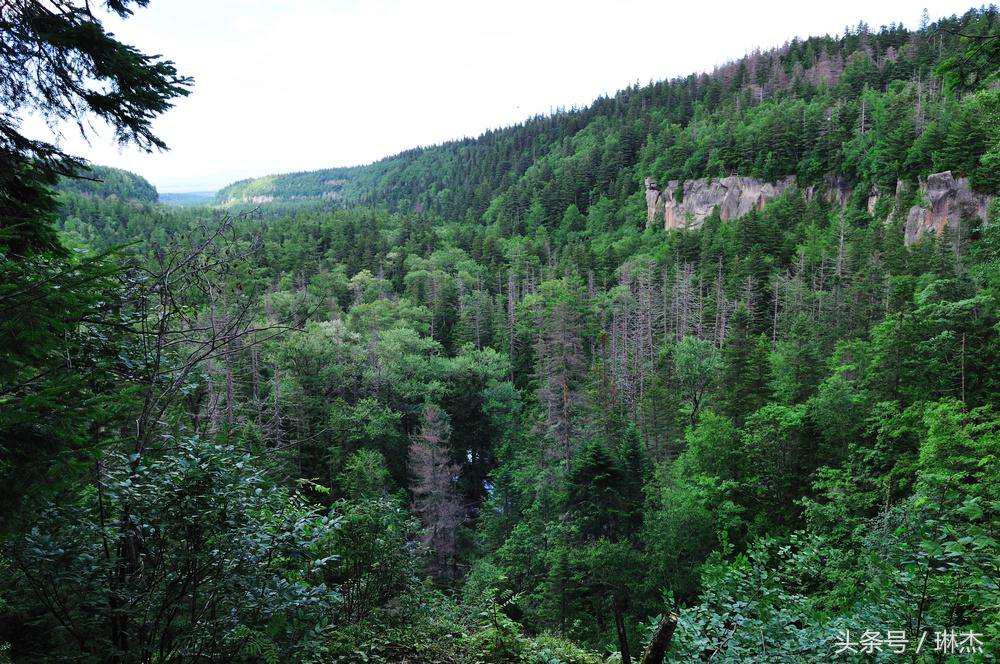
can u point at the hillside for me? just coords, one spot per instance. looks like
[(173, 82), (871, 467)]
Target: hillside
[(865, 106), (105, 182)]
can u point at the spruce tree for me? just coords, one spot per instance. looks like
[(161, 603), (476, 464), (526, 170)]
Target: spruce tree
[(743, 385)]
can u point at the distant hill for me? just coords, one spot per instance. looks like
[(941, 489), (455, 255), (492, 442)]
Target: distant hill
[(105, 182), (111, 207), (326, 183), (188, 198)]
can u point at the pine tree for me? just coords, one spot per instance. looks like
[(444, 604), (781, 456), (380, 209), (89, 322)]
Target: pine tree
[(601, 497), (61, 64), (743, 384)]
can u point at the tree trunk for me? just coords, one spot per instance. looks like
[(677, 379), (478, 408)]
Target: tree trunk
[(620, 630), (660, 643)]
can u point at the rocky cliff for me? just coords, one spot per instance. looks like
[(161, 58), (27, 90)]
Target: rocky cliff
[(943, 201), (687, 205)]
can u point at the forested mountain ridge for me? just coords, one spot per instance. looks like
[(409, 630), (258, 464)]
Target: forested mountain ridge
[(864, 106), (485, 402), (326, 183), (104, 182)]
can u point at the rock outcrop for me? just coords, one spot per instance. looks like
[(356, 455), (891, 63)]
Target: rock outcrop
[(947, 200), (835, 190), (944, 201), (654, 201), (735, 196)]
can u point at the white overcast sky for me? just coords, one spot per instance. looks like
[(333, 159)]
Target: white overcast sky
[(303, 84)]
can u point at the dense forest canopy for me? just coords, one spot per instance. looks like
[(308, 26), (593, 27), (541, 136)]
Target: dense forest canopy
[(467, 404)]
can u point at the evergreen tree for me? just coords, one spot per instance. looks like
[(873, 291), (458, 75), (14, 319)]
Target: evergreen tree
[(62, 64), (743, 386)]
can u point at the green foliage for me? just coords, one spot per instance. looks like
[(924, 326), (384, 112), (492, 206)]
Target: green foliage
[(743, 368), (778, 426), (375, 559), (61, 64), (975, 64), (58, 382), (187, 549), (695, 364)]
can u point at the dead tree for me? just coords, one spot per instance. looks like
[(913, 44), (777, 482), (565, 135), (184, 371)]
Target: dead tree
[(660, 643), (511, 316), (434, 497), (560, 368)]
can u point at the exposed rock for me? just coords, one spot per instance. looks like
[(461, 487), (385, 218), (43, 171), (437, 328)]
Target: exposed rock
[(735, 196), (948, 201), (872, 201), (654, 201), (945, 201), (835, 190)]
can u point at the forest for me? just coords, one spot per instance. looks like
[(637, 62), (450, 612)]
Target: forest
[(472, 404)]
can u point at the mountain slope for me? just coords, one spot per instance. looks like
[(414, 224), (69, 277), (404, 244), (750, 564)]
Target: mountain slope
[(105, 182), (865, 106), (513, 399)]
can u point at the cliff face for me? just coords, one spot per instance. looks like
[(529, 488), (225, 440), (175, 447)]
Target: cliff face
[(735, 196), (948, 200), (945, 201)]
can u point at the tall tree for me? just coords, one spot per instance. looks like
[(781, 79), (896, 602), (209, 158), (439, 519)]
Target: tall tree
[(743, 383), (605, 513), (694, 363), (435, 499), (561, 364), (60, 313)]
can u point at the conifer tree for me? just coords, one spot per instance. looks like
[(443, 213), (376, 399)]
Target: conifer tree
[(434, 497), (743, 385), (60, 63)]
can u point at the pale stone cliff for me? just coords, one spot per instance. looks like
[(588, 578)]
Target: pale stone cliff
[(943, 201), (735, 196), (946, 201)]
